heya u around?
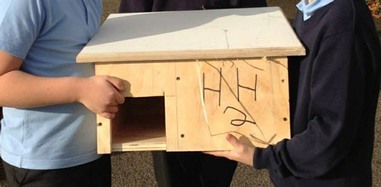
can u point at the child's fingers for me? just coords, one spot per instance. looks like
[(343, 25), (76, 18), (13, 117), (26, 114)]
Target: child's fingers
[(116, 82), (232, 140), (218, 153)]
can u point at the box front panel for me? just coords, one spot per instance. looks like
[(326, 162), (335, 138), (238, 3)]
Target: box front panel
[(246, 97)]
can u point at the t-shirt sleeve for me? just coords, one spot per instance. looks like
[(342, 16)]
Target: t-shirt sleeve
[(20, 22)]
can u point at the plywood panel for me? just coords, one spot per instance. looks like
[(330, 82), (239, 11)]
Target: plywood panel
[(142, 79), (246, 97)]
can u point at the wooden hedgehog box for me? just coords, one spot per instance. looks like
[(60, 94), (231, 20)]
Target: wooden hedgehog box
[(194, 76)]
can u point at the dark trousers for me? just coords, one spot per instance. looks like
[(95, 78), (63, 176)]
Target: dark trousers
[(192, 169), (93, 174)]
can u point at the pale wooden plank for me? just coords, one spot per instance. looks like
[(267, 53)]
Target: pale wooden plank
[(140, 141), (103, 135), (171, 127)]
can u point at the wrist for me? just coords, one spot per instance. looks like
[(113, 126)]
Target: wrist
[(78, 89)]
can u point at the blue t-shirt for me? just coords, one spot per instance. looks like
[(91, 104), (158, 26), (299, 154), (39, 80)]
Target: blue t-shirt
[(48, 35)]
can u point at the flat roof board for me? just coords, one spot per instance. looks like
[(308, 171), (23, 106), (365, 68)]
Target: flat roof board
[(190, 35)]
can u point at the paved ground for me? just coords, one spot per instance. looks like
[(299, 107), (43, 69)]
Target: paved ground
[(134, 169)]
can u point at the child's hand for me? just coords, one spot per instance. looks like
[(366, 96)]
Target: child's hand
[(102, 95), (241, 152)]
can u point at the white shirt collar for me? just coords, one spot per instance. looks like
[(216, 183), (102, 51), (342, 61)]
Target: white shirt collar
[(309, 9)]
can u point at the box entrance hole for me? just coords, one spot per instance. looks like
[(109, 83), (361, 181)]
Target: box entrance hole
[(140, 120)]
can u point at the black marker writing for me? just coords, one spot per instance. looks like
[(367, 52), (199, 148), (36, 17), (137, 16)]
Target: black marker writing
[(248, 88), (239, 122), (213, 90)]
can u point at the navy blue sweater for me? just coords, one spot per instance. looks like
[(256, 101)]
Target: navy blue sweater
[(169, 5), (333, 96)]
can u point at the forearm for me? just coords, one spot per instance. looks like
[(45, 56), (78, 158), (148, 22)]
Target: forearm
[(22, 90)]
